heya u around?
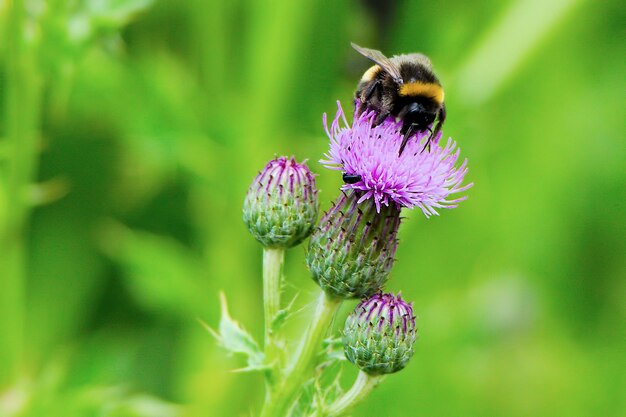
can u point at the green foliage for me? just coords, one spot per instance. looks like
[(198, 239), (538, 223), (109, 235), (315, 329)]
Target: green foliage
[(236, 340), (159, 271), (283, 315), (332, 352), (150, 119)]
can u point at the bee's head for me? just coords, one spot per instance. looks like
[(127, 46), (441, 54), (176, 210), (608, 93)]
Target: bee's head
[(416, 113)]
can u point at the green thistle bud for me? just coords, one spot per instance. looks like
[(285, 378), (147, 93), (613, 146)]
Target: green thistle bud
[(379, 334), (281, 206), (352, 251)]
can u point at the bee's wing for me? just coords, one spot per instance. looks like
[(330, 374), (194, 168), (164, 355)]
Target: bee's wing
[(384, 62)]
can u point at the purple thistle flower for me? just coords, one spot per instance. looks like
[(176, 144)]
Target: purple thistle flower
[(414, 179)]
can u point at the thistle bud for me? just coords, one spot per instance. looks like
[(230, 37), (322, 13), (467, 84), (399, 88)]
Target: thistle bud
[(352, 250), (280, 208), (379, 334)]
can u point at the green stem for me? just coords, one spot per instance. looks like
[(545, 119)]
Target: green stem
[(279, 401), (363, 385), (273, 259), (21, 118)]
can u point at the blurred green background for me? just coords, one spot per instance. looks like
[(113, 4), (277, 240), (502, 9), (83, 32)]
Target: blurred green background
[(132, 130)]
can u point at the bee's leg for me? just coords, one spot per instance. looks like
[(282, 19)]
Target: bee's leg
[(405, 139), (368, 94), (380, 117), (427, 144), (441, 117), (371, 90), (361, 107)]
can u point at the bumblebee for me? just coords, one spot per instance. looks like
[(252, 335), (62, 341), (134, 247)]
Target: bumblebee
[(405, 87)]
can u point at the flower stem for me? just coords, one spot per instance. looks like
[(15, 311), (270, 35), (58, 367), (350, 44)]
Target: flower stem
[(303, 363), (363, 385), (273, 259), (21, 120)]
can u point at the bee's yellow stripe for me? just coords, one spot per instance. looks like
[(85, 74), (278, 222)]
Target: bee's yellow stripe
[(431, 90), (370, 73)]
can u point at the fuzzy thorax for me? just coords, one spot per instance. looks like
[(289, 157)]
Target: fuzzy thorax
[(417, 89)]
